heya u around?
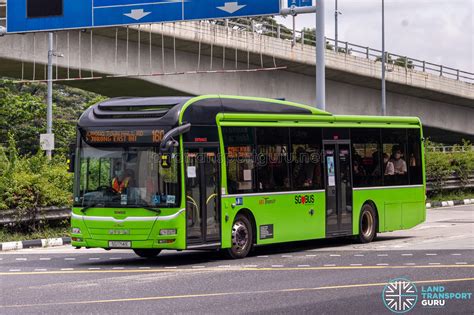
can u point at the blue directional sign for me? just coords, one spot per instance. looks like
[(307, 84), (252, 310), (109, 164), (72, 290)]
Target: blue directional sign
[(49, 15), (300, 3)]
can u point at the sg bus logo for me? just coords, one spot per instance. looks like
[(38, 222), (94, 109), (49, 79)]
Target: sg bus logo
[(304, 199)]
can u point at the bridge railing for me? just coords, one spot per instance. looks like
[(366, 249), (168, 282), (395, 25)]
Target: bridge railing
[(344, 47)]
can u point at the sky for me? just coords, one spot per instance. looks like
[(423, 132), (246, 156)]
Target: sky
[(438, 31)]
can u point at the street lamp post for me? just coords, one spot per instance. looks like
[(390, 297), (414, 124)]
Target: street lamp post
[(320, 57), (336, 13), (384, 101), (49, 99)]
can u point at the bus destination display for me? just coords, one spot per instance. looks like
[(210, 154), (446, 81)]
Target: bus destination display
[(123, 136)]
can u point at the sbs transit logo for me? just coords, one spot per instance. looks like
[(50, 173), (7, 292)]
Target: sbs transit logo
[(400, 295)]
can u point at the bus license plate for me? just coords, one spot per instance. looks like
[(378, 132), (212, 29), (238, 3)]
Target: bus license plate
[(120, 244)]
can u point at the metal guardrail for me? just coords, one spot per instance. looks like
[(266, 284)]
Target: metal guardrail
[(450, 149), (453, 182), (48, 214), (62, 213)]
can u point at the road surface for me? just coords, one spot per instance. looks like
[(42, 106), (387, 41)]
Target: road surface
[(324, 277)]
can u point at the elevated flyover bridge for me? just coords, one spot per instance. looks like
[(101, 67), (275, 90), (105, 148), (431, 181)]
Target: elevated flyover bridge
[(245, 58)]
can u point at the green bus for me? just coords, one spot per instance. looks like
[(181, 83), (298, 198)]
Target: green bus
[(231, 173)]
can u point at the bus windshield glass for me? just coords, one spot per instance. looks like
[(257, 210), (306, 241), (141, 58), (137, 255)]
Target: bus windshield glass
[(126, 176)]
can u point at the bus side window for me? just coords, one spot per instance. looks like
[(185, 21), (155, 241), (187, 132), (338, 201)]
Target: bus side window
[(272, 159), (414, 154), (394, 147), (239, 149), (306, 166), (366, 157)]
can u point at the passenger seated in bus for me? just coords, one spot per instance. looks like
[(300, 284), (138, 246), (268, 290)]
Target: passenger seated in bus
[(388, 165), (399, 164)]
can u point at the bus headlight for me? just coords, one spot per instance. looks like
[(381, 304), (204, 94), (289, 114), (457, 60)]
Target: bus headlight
[(76, 231), (168, 232)]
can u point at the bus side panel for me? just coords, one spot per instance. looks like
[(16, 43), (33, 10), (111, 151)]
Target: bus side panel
[(397, 208), (279, 218)]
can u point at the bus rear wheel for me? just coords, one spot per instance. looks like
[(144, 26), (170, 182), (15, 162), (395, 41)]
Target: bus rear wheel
[(242, 238), (367, 224), (147, 252)]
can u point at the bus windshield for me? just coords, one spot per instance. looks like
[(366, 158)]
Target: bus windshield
[(126, 177)]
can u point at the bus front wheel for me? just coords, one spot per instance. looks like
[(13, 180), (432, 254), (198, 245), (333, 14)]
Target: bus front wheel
[(147, 252), (367, 224), (242, 237)]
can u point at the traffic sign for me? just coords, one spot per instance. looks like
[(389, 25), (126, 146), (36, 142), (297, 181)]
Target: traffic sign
[(300, 3), (50, 15)]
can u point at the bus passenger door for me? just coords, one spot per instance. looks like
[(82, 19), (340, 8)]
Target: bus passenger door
[(202, 196), (338, 175)]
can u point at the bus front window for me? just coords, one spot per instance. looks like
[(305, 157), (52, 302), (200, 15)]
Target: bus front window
[(126, 177)]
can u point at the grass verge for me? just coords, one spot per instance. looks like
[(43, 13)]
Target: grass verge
[(43, 232)]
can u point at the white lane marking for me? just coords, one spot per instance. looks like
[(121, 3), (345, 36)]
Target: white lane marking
[(45, 258), (262, 256), (15, 270), (21, 259), (143, 267), (359, 255), (431, 254), (40, 269), (171, 267), (118, 268), (382, 255), (329, 265), (303, 265), (250, 266), (67, 269), (334, 255), (222, 266), (456, 254), (310, 255), (1, 258), (434, 263), (286, 256), (115, 258), (94, 258), (356, 264), (382, 264), (277, 266), (191, 267), (407, 254), (461, 263), (410, 264), (94, 268), (69, 258)]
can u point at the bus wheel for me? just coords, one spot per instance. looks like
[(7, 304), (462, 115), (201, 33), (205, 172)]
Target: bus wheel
[(367, 224), (242, 237), (147, 252)]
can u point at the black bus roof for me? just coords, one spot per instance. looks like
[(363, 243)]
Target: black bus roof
[(170, 111)]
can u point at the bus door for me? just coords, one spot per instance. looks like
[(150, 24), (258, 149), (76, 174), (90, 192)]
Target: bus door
[(202, 195), (338, 175)]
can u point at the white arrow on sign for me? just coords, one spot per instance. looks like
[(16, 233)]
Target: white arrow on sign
[(137, 14), (231, 7)]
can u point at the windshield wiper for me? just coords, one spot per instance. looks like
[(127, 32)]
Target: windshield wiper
[(147, 207), (92, 205)]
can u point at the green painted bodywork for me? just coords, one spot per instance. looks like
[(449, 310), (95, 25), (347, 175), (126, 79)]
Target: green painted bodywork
[(397, 207)]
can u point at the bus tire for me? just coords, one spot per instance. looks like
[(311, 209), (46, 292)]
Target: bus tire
[(147, 252), (242, 237), (367, 224)]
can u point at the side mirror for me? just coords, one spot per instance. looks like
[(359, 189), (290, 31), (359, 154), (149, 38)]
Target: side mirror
[(165, 160)]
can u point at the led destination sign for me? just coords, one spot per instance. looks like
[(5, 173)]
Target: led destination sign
[(139, 136)]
